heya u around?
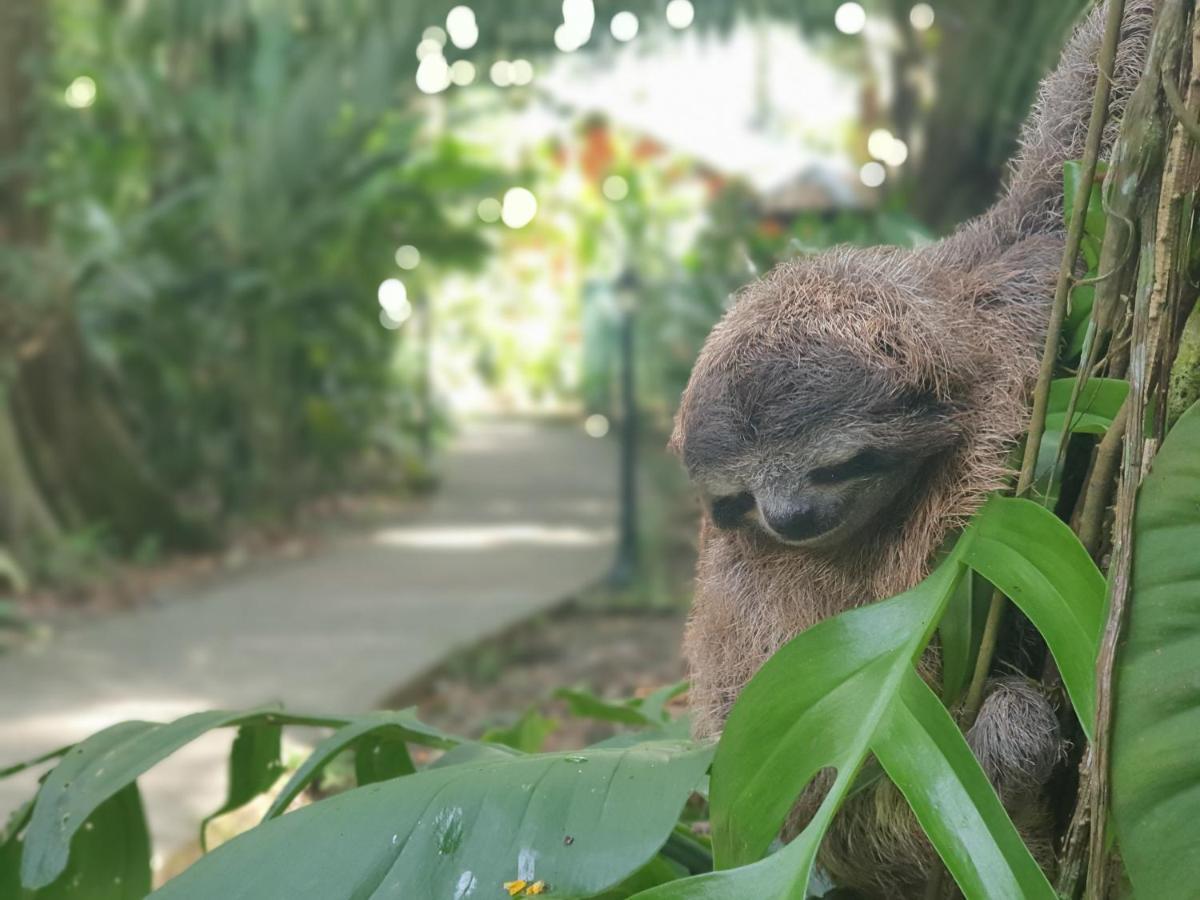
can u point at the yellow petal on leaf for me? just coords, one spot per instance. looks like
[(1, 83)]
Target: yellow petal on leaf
[(538, 887), (515, 888)]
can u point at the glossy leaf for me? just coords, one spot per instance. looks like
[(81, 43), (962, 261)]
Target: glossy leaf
[(1156, 734), (581, 822), (816, 703), (834, 694), (959, 635), (110, 857), (925, 755), (1038, 562), (379, 757), (98, 768), (374, 727), (1098, 403), (254, 765)]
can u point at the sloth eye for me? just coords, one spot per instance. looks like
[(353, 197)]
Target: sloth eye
[(727, 512), (865, 462)]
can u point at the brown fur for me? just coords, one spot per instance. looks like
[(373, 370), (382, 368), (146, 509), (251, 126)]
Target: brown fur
[(955, 329)]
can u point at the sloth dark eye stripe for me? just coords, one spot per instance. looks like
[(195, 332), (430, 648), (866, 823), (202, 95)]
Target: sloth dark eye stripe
[(727, 512), (865, 462)]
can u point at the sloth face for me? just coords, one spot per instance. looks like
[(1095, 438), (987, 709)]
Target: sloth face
[(812, 452), (815, 492)]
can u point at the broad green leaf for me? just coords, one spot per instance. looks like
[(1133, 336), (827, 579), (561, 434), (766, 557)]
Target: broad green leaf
[(847, 688), (254, 766), (110, 857), (581, 822), (379, 757), (375, 726), (924, 754), (828, 698), (108, 761), (1156, 732), (527, 734), (1038, 562), (816, 703), (474, 752), (1097, 405), (785, 874)]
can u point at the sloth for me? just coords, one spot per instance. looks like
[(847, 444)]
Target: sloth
[(848, 414)]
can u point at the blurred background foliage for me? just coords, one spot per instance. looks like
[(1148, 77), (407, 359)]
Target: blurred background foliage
[(201, 202)]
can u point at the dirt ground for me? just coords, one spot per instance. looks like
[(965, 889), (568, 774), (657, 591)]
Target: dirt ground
[(615, 654)]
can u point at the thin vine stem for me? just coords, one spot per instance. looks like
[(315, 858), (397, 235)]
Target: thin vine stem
[(1105, 63)]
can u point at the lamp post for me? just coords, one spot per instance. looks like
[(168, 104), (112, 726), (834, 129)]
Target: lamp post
[(625, 565)]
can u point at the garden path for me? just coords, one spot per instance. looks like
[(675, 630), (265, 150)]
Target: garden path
[(523, 519)]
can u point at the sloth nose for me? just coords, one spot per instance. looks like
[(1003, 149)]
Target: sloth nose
[(794, 519)]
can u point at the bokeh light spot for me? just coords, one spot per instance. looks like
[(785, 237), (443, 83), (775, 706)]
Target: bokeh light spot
[(596, 425), (408, 257), (872, 174), (433, 74), (393, 297), (464, 31), (522, 72), (615, 187), (519, 208), (680, 13), (850, 18), (462, 72), (921, 17), (501, 73), (489, 210), (80, 93), (624, 26)]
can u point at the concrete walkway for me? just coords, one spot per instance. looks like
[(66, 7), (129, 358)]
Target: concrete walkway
[(524, 518)]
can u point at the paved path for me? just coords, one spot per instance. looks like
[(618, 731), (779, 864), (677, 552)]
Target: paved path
[(524, 518)]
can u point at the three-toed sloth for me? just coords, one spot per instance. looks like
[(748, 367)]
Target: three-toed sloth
[(848, 413)]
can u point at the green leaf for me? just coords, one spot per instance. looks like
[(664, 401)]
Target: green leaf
[(1098, 403), (381, 757), (588, 706), (1094, 224), (108, 761), (834, 694), (846, 688), (1037, 561), (816, 703), (657, 871), (925, 755), (528, 734), (959, 634), (110, 857), (653, 705), (375, 726), (1156, 766), (582, 822), (254, 766)]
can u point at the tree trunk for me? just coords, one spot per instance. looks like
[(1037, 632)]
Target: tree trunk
[(64, 453)]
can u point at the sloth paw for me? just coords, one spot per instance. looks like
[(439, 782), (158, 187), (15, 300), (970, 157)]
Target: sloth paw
[(1016, 737)]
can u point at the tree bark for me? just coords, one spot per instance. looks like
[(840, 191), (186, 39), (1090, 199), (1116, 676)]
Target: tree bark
[(65, 454)]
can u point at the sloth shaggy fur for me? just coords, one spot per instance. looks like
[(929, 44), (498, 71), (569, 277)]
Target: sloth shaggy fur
[(938, 349)]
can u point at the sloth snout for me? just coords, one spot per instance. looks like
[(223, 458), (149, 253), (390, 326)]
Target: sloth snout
[(795, 518)]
